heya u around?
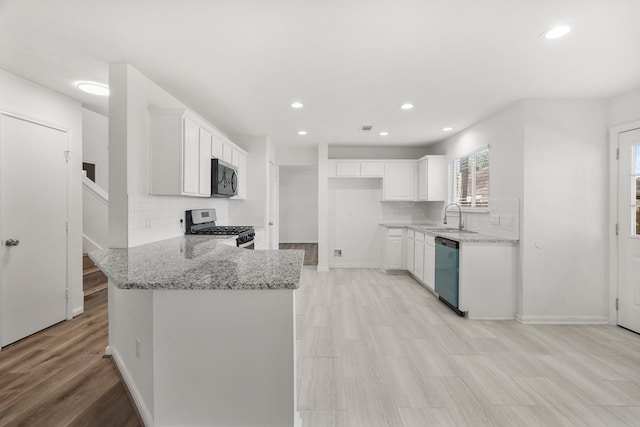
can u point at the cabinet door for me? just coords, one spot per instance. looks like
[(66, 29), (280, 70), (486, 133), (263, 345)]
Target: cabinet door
[(418, 256), (347, 169), (235, 157), (394, 253), (227, 152), (399, 183), (216, 147), (204, 185), (429, 263), (436, 178), (373, 169), (190, 157), (410, 259), (422, 179), (242, 176)]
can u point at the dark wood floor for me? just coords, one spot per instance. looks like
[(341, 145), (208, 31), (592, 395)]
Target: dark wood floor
[(310, 251), (59, 377)]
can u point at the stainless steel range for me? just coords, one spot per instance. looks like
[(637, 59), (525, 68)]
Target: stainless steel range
[(203, 221)]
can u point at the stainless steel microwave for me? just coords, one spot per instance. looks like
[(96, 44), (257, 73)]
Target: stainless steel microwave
[(224, 179)]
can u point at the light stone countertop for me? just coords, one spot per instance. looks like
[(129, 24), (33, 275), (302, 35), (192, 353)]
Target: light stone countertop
[(432, 230), (199, 262)]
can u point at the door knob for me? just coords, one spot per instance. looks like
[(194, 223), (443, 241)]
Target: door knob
[(12, 242)]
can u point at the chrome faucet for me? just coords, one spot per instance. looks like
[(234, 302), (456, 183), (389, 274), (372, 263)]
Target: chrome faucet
[(460, 224)]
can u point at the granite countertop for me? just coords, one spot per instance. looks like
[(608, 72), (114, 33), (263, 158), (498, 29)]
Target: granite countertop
[(468, 237), (199, 262)]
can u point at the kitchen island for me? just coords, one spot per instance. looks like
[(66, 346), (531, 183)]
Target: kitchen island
[(203, 333)]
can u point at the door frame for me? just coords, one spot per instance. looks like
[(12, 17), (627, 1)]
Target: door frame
[(43, 122), (613, 215)]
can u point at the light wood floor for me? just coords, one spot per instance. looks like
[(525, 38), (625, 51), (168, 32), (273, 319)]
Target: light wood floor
[(380, 350), (59, 377), (310, 251)]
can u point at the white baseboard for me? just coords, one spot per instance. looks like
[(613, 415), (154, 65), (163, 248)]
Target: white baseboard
[(147, 419), (563, 320), (323, 269), (354, 266), (77, 311)]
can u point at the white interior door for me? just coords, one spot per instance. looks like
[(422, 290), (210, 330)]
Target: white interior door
[(629, 230), (33, 215)]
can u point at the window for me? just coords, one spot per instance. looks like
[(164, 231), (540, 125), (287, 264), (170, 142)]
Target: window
[(470, 179)]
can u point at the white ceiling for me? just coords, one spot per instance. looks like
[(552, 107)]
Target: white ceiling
[(241, 63)]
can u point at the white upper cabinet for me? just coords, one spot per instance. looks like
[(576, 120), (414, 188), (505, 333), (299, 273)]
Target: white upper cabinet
[(347, 169), (204, 181), (182, 146), (242, 176), (399, 183), (372, 169), (191, 158), (432, 178)]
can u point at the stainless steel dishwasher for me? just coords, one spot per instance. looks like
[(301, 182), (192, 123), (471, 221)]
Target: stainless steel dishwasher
[(447, 277)]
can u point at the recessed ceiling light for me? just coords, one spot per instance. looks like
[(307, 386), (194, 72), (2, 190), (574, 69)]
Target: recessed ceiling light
[(447, 129), (93, 88), (406, 106), (302, 132), (384, 133), (557, 32), (297, 105)]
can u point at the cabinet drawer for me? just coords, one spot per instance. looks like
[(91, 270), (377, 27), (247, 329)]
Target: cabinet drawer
[(419, 236), (394, 232)]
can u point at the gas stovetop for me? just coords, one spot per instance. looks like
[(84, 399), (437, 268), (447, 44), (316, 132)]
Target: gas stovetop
[(203, 221)]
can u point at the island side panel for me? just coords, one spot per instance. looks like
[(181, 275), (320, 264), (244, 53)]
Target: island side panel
[(487, 280), (131, 343), (224, 357)]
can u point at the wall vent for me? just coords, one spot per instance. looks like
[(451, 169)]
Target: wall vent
[(366, 128)]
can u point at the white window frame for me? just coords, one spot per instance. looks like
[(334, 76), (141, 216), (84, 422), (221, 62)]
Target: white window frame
[(452, 180)]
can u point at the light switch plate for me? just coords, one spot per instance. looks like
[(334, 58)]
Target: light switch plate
[(508, 220), (495, 219)]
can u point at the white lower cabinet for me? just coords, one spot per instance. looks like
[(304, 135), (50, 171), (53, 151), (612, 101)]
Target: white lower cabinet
[(392, 248), (410, 247), (418, 256), (429, 262)]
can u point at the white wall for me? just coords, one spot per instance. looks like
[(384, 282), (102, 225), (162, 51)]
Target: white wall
[(288, 155), (135, 217), (298, 204), (95, 145), (565, 207), (355, 213), (624, 108), (24, 98)]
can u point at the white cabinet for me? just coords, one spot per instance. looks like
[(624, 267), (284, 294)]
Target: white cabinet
[(235, 157), (391, 248), (356, 169), (216, 147), (227, 153), (418, 256), (432, 178), (242, 176), (410, 242), (429, 262), (204, 179), (180, 162), (347, 169), (399, 183), (372, 169)]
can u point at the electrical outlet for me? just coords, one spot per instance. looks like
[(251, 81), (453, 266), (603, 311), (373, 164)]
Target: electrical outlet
[(337, 252), (508, 220), (495, 220), (138, 348)]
